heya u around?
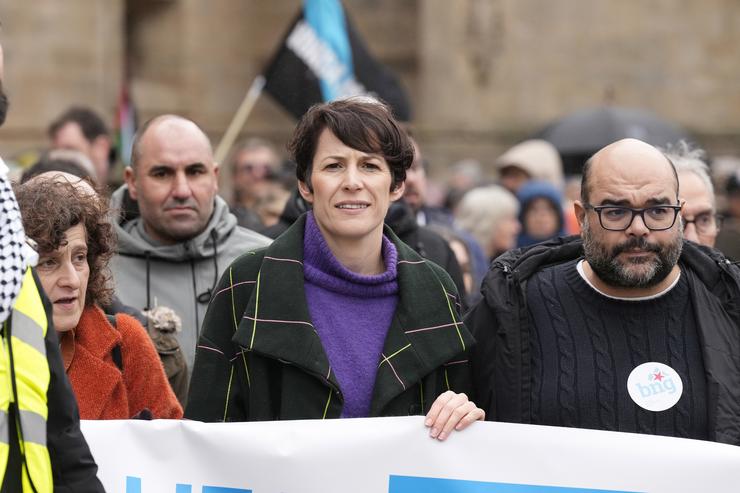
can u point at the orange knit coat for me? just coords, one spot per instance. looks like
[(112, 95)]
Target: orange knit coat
[(102, 390)]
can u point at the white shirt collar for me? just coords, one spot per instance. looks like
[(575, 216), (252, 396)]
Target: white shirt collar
[(579, 267)]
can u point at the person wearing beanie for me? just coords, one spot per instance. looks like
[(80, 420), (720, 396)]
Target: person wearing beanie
[(541, 213), (530, 160)]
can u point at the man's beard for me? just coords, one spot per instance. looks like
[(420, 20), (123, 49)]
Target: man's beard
[(605, 264), (3, 104)]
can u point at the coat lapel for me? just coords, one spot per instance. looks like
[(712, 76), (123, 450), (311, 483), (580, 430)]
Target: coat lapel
[(276, 322), (426, 332), (94, 382), (93, 379)]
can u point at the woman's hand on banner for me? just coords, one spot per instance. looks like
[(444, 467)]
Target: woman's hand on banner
[(451, 411)]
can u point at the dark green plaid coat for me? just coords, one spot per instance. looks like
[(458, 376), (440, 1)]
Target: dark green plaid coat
[(260, 358)]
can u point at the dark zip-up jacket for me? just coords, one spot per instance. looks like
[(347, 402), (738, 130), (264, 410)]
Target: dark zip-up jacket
[(501, 325), (260, 358), (425, 242)]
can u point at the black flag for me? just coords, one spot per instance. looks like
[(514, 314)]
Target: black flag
[(323, 58)]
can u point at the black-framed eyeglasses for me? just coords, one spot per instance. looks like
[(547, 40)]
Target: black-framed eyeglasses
[(619, 218), (705, 222)]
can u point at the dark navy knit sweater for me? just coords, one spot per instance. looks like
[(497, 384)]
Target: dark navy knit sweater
[(584, 346)]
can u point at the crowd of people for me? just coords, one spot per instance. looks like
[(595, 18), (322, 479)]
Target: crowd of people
[(334, 286)]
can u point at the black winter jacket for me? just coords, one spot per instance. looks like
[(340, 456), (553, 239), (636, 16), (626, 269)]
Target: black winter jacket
[(501, 326), (425, 242)]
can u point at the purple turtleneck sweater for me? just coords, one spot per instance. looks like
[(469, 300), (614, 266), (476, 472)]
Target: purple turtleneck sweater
[(351, 313)]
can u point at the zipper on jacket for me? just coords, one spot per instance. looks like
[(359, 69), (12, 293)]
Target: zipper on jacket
[(195, 291)]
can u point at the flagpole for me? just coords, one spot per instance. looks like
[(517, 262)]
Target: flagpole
[(240, 117)]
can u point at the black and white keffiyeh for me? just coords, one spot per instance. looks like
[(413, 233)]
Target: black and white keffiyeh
[(15, 254)]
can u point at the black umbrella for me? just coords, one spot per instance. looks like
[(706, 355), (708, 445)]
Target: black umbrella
[(580, 134)]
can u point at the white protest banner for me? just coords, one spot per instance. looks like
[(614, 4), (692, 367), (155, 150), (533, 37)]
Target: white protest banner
[(395, 455)]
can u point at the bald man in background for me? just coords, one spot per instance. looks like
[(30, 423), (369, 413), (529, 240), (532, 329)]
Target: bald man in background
[(177, 241)]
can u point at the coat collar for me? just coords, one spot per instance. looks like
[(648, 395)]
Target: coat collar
[(95, 332), (94, 378), (425, 334)]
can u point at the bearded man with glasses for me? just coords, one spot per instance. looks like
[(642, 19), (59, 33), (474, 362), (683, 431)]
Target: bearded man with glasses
[(628, 328)]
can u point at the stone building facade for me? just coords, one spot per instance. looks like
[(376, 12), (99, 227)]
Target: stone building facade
[(482, 74)]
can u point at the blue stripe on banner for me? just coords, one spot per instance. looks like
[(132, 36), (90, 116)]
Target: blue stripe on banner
[(409, 484), (221, 489), (133, 484), (326, 17), (183, 488)]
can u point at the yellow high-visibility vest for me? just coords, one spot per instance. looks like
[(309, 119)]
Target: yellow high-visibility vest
[(27, 326)]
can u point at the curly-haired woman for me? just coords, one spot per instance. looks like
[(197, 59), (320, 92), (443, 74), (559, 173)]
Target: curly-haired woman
[(112, 364)]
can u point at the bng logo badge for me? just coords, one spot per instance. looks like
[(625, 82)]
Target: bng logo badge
[(655, 386)]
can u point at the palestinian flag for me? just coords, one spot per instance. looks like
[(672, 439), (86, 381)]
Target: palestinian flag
[(125, 125)]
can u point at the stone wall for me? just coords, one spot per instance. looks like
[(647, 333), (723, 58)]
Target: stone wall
[(482, 74), (57, 53), (493, 71)]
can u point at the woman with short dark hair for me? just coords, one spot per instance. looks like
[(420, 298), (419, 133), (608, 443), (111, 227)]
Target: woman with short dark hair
[(337, 318), (112, 365)]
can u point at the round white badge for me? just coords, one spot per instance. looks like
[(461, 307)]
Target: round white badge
[(654, 386)]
